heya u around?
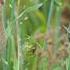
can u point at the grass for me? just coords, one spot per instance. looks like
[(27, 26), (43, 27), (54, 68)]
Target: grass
[(22, 21)]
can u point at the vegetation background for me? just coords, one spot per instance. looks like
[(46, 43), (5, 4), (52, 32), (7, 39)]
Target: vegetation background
[(34, 35)]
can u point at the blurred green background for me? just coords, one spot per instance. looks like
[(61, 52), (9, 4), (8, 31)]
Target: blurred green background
[(26, 24)]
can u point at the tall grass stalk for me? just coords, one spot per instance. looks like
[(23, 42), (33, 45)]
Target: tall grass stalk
[(9, 25)]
